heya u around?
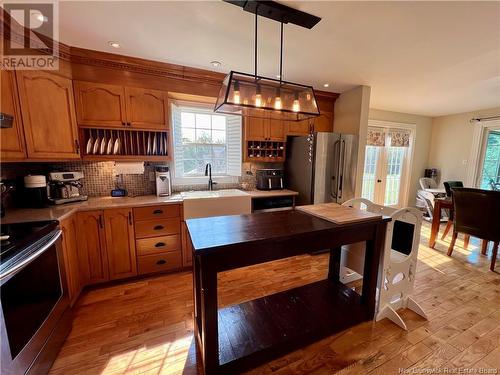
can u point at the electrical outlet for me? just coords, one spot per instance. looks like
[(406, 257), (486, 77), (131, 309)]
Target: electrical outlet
[(152, 176)]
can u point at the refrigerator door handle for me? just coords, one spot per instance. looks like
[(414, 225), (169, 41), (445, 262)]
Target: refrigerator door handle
[(334, 190), (341, 168)]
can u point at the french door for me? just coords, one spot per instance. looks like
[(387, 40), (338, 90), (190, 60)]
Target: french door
[(386, 169), (489, 177)]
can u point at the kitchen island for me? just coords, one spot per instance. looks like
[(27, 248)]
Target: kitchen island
[(238, 337)]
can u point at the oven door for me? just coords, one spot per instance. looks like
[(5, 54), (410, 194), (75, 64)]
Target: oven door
[(33, 296)]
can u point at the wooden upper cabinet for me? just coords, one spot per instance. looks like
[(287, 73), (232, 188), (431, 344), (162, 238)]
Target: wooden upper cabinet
[(99, 104), (324, 122), (146, 108), (298, 127), (120, 243), (261, 129), (71, 261), (48, 113), (92, 247), (12, 139)]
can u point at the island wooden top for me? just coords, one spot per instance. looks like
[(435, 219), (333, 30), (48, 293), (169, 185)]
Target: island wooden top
[(226, 231), (339, 214)]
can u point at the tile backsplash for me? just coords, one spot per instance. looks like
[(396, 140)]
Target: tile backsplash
[(100, 179)]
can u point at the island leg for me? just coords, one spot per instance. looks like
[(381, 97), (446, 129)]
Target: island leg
[(210, 330), (374, 249), (334, 264)]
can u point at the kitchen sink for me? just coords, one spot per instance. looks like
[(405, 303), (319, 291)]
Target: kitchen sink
[(216, 203)]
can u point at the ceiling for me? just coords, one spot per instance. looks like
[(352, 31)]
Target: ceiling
[(427, 58)]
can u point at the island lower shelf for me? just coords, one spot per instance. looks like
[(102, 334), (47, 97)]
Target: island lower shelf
[(285, 321)]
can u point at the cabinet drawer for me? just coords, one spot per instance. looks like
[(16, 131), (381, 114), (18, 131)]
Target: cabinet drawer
[(158, 245), (159, 262), (155, 228), (157, 212)]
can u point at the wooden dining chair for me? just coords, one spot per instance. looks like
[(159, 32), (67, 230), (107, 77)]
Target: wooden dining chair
[(476, 213), (449, 186)]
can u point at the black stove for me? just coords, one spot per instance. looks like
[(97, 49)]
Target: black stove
[(18, 240)]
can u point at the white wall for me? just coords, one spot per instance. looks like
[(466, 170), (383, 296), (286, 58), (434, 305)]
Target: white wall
[(452, 142), (351, 117), (422, 143)]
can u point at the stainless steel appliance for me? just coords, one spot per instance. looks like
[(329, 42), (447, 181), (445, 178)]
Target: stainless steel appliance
[(163, 182), (322, 167), (65, 187), (34, 309), (269, 179)]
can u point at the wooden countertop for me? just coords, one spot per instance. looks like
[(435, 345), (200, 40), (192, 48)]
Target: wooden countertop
[(271, 193)]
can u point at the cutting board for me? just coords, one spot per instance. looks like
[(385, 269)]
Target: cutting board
[(338, 214)]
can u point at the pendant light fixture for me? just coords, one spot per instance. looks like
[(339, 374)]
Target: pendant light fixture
[(252, 95)]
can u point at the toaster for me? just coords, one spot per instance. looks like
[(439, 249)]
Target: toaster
[(269, 179)]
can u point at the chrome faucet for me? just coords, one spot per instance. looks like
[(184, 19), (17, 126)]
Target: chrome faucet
[(208, 172)]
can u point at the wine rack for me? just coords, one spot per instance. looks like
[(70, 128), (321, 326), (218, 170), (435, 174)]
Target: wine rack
[(112, 144), (266, 151)]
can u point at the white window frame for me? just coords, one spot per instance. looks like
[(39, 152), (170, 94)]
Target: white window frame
[(234, 173)]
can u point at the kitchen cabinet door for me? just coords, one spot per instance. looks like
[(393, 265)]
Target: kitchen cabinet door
[(120, 243), (12, 139), (255, 129), (48, 111), (71, 262), (187, 247), (275, 130), (298, 127), (92, 247), (146, 109), (324, 122), (99, 104)]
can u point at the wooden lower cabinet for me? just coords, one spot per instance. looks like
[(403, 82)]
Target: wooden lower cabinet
[(120, 243), (187, 247), (92, 247), (71, 260)]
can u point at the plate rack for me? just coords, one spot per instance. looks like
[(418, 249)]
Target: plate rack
[(268, 151), (112, 144)]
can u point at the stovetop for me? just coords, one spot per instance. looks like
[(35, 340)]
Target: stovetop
[(17, 237)]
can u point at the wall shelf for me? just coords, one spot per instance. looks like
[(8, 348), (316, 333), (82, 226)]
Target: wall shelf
[(265, 151)]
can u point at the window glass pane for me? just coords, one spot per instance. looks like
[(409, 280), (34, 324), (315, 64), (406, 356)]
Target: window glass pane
[(219, 152), (219, 166), (219, 136), (189, 152), (189, 167), (204, 153), (491, 164), (203, 136), (203, 121), (219, 122), (188, 135), (187, 119)]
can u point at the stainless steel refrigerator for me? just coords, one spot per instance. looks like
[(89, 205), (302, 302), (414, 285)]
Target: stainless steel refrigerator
[(322, 167)]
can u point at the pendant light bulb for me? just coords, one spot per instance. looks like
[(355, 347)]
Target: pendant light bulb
[(296, 105), (277, 101), (236, 96), (258, 97)]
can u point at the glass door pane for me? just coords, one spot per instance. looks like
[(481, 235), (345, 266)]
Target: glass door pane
[(370, 172), (394, 170), (490, 174)]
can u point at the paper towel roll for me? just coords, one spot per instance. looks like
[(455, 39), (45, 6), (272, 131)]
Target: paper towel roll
[(124, 167)]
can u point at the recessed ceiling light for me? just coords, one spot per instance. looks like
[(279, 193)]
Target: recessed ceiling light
[(215, 63), (114, 44), (326, 85)]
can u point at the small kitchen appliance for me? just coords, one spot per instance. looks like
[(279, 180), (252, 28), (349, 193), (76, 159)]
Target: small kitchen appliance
[(269, 179), (35, 191), (65, 187), (163, 182)]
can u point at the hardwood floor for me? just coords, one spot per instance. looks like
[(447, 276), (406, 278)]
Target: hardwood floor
[(146, 326)]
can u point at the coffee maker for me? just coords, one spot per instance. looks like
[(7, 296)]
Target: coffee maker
[(163, 182), (65, 187)]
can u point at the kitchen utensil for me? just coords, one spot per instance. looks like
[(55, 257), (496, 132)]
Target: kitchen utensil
[(154, 144), (90, 143), (104, 142), (109, 149), (97, 143)]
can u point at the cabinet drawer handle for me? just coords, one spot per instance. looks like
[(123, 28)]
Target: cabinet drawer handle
[(161, 261), (160, 244), (158, 227), (157, 212)]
